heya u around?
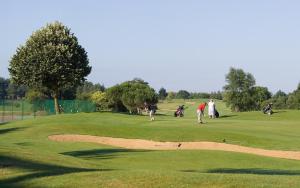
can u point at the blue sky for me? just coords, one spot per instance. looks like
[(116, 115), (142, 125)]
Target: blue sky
[(173, 44)]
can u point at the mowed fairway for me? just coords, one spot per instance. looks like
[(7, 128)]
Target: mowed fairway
[(29, 159)]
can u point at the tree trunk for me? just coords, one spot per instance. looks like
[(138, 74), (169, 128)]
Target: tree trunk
[(56, 105)]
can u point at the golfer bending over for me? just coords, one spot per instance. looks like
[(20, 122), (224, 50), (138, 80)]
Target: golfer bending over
[(200, 112)]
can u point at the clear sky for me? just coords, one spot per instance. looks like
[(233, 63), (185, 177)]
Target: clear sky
[(174, 44)]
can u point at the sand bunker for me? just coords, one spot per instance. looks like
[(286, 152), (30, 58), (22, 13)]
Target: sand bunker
[(154, 145)]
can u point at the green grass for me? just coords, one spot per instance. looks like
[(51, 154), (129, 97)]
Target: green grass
[(29, 159)]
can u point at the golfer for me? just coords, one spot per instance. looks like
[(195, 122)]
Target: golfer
[(200, 112), (211, 109), (152, 110)]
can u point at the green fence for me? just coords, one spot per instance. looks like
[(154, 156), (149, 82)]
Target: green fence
[(21, 109)]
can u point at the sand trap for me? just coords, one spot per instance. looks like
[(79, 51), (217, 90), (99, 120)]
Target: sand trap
[(153, 145)]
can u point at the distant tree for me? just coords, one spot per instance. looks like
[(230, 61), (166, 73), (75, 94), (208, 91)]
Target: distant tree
[(260, 94), (200, 95), (15, 91), (100, 99), (279, 100), (34, 95), (216, 95), (11, 90), (293, 101), (239, 89), (183, 94), (171, 95), (51, 59), (162, 93), (279, 94), (4, 83), (84, 91)]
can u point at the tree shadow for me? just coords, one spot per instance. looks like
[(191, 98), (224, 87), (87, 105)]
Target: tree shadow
[(161, 114), (256, 171), (227, 116), (100, 153), (279, 111), (3, 123), (37, 169), (24, 144), (4, 131)]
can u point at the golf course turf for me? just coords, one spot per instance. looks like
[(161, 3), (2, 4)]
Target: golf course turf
[(29, 159)]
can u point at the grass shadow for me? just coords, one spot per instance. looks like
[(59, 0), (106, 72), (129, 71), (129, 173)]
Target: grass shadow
[(256, 171), (8, 130), (100, 153), (279, 111), (228, 116), (3, 123), (37, 169)]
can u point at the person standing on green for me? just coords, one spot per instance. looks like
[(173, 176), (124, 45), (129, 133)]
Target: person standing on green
[(200, 112)]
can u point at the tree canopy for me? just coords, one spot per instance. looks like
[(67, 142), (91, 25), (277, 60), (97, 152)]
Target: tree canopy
[(182, 94), (133, 95), (162, 93), (52, 59), (239, 90)]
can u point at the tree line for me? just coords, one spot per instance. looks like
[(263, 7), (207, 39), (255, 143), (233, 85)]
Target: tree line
[(52, 64), (242, 94), (183, 94)]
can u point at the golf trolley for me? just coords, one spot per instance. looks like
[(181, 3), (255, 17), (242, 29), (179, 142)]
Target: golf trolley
[(179, 112)]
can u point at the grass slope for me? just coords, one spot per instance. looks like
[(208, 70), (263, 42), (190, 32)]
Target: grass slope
[(29, 159)]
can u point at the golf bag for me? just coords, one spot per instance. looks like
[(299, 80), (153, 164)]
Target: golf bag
[(179, 112), (153, 108), (268, 109), (217, 115)]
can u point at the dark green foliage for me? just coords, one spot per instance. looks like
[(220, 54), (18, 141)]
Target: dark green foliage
[(199, 95), (4, 83), (239, 90), (52, 59), (162, 93), (293, 101), (114, 95), (131, 95), (68, 94), (34, 95), (216, 95), (279, 100), (171, 95), (260, 94), (11, 90), (182, 94), (202, 95), (14, 91)]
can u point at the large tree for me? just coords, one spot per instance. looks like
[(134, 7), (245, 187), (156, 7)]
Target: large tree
[(136, 94), (239, 90), (51, 58), (131, 96)]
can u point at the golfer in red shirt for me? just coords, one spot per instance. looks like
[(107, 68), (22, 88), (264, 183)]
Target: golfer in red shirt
[(200, 112)]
